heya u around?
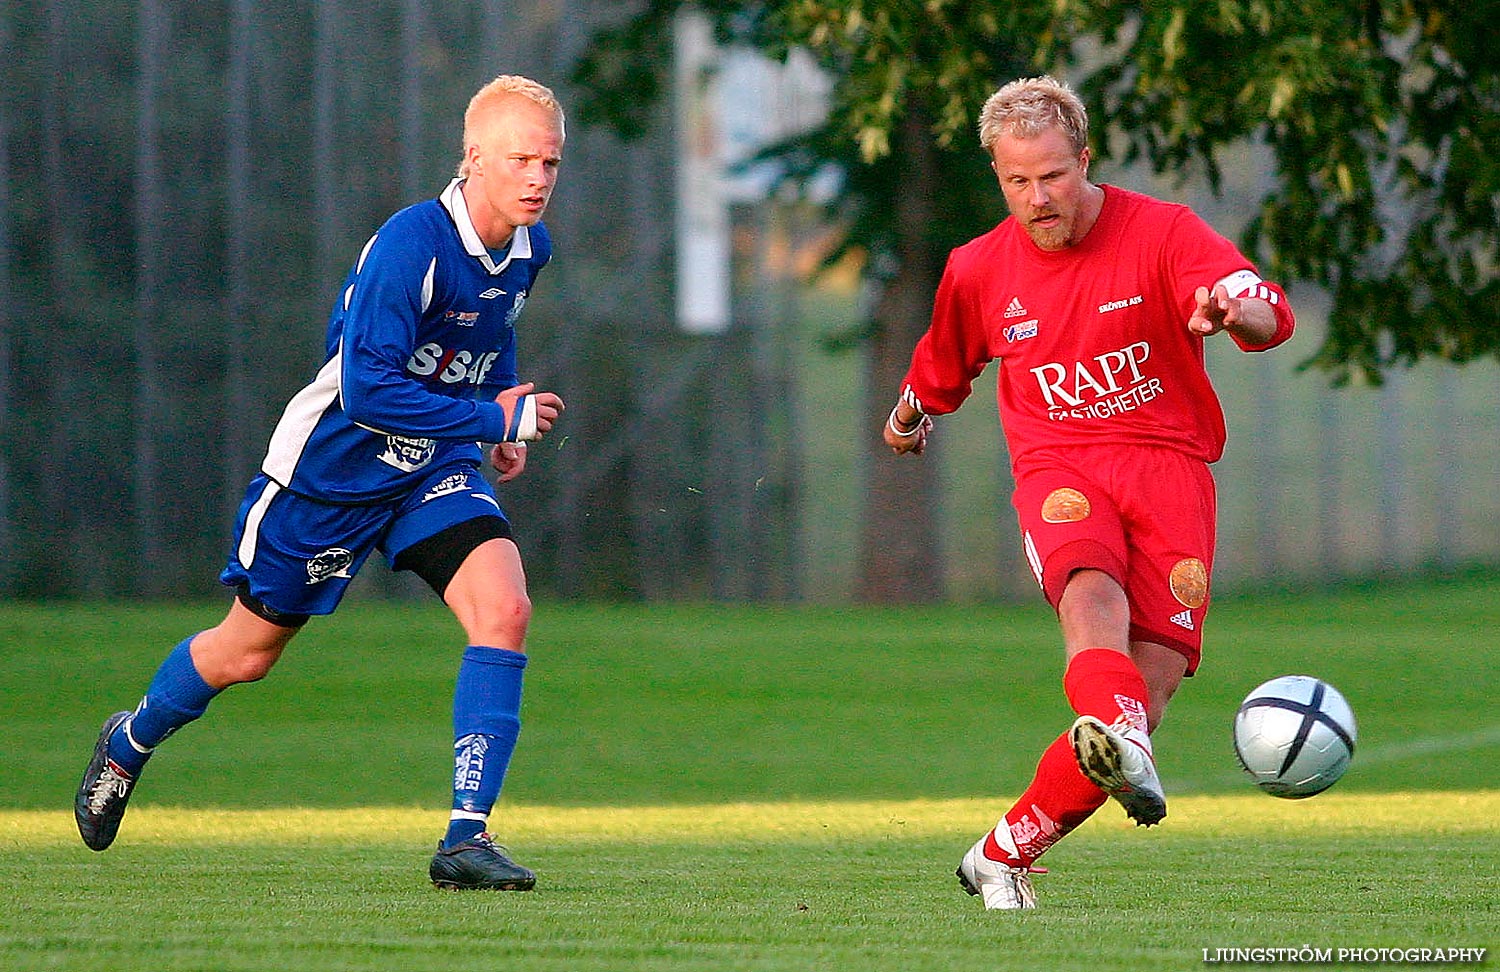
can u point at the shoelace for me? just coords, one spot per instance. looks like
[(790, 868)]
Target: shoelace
[(485, 841), (110, 784)]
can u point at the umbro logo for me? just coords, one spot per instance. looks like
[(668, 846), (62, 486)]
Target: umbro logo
[(1014, 309), (491, 294), (1183, 619)]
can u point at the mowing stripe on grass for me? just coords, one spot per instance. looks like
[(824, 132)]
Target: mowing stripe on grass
[(810, 822), (1430, 746)]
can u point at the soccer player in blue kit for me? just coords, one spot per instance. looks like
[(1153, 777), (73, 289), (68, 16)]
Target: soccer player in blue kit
[(380, 452)]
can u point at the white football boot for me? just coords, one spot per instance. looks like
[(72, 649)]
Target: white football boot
[(1120, 766), (1001, 886)]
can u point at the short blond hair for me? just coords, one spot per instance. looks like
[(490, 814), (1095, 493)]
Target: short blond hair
[(1029, 106), (496, 91)]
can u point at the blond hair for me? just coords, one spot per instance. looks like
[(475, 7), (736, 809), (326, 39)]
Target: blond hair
[(496, 91), (1029, 106)]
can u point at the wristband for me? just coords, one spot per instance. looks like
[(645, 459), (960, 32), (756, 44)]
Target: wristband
[(895, 426), (522, 421)]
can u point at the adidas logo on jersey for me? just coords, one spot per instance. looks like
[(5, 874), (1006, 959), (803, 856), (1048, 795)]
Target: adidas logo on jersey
[(1183, 619), (1014, 308)]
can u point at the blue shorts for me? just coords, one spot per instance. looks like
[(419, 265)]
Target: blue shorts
[(297, 556)]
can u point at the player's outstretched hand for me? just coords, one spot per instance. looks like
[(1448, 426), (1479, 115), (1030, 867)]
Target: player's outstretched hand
[(1215, 310), (529, 414)]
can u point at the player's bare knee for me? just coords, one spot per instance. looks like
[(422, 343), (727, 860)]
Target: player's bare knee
[(500, 621), (1094, 612), (222, 666), (252, 667), (235, 652)]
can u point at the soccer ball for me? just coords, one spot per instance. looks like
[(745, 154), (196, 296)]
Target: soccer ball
[(1295, 736)]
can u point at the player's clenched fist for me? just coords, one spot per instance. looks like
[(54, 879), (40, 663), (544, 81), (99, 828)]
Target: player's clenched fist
[(906, 430), (529, 414)]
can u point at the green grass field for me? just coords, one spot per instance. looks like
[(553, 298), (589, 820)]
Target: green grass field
[(716, 787)]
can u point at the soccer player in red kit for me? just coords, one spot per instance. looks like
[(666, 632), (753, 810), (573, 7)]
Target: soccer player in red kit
[(1096, 302)]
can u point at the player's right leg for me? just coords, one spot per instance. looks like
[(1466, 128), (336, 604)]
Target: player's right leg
[(242, 648), (292, 558), (1110, 739), (1169, 501)]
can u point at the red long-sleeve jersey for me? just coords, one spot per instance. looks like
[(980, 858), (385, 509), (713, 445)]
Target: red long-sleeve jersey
[(1092, 340)]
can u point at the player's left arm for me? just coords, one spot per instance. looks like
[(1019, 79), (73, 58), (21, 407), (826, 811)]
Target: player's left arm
[(1255, 312)]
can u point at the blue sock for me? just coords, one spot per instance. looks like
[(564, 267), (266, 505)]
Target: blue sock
[(176, 696), (486, 723)]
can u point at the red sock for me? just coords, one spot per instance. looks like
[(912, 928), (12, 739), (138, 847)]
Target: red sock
[(1101, 683), (1059, 799), (1106, 684)]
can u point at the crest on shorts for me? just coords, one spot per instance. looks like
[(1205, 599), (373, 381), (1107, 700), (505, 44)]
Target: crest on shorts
[(333, 562), (1189, 581), (1065, 505)]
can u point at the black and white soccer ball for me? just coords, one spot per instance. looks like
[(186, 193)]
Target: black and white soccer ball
[(1295, 736)]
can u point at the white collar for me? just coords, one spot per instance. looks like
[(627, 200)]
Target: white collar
[(520, 242)]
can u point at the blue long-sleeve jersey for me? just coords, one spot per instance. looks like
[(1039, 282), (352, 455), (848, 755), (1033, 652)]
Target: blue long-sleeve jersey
[(421, 340)]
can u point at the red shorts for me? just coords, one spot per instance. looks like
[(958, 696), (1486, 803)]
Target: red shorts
[(1143, 515)]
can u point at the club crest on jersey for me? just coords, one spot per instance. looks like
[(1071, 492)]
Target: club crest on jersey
[(515, 309), (333, 562), (407, 454)]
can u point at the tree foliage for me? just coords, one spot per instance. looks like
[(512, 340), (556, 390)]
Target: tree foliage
[(890, 61), (1380, 120)]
